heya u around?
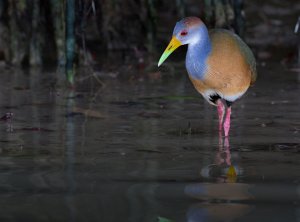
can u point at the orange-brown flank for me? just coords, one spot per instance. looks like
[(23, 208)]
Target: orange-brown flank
[(228, 71)]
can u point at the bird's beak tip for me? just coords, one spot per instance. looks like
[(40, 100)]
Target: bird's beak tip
[(161, 60)]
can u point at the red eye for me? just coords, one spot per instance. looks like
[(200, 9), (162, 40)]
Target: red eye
[(183, 33)]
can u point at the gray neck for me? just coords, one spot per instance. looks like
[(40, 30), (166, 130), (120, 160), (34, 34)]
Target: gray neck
[(197, 54)]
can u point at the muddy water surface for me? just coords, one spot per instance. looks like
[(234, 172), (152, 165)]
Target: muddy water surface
[(147, 151)]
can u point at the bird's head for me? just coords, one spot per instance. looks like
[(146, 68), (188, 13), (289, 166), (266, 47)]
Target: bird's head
[(186, 31)]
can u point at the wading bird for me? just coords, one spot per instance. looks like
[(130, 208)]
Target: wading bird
[(219, 64)]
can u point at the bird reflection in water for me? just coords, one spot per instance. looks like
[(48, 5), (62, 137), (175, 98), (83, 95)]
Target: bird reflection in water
[(225, 168), (219, 201)]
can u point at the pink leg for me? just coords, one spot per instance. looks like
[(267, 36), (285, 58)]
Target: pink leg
[(227, 122), (227, 151), (219, 160), (223, 155), (221, 111)]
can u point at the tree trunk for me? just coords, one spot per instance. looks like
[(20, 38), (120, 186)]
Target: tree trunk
[(70, 40), (18, 26), (58, 20), (4, 32), (35, 51)]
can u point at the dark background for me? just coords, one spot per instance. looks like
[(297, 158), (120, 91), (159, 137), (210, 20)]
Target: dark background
[(33, 33)]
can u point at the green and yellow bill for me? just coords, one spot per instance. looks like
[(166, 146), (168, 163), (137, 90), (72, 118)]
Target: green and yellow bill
[(174, 44)]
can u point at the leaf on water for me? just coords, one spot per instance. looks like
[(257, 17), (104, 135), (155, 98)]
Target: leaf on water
[(163, 219), (37, 129), (88, 112), (149, 150), (21, 88)]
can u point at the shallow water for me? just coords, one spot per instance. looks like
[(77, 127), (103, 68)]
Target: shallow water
[(147, 151)]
